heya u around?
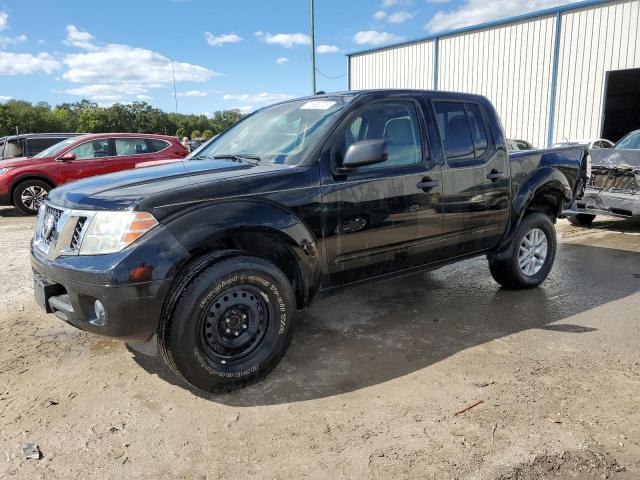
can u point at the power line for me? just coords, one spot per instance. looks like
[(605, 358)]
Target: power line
[(330, 77)]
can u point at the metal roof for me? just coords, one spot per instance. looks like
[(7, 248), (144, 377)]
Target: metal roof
[(495, 23)]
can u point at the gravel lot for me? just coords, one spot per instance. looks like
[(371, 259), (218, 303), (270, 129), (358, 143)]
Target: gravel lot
[(368, 389)]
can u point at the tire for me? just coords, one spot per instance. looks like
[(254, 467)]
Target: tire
[(582, 219), (232, 323), (538, 230), (29, 195)]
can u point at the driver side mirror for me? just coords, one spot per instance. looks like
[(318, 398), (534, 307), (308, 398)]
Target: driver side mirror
[(67, 157), (363, 153)]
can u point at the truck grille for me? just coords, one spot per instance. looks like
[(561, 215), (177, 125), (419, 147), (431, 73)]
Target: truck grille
[(59, 231), (77, 233), (56, 213)]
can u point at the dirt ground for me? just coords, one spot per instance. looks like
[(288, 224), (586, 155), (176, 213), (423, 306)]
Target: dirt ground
[(368, 388)]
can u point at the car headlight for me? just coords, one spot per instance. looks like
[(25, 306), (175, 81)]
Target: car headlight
[(4, 170), (111, 232)]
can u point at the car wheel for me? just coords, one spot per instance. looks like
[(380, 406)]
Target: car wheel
[(29, 195), (232, 323), (582, 219), (532, 254)]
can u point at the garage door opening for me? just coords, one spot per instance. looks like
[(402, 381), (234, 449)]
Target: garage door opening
[(621, 104)]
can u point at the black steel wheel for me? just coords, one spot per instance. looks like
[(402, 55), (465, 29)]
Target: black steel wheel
[(228, 323)]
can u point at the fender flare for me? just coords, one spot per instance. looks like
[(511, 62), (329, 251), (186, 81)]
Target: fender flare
[(204, 225)]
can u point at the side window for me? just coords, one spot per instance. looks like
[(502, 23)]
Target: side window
[(37, 145), (131, 146), (454, 130), (14, 149), (397, 124), (478, 129), (95, 149), (155, 145)]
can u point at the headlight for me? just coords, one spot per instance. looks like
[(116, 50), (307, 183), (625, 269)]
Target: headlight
[(4, 170), (110, 232)]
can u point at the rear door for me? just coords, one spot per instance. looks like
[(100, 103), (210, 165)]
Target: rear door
[(94, 157), (132, 151), (475, 199), (381, 218)]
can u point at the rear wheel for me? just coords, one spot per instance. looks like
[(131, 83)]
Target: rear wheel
[(231, 324), (582, 219), (29, 195), (532, 254)]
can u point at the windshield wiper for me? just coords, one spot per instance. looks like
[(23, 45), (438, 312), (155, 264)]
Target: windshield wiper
[(244, 156)]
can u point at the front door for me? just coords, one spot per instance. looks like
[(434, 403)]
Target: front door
[(475, 200), (381, 217), (92, 158)]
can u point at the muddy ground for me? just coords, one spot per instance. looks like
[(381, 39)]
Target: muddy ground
[(369, 386)]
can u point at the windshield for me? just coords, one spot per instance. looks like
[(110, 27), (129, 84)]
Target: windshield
[(57, 148), (281, 134), (630, 142)]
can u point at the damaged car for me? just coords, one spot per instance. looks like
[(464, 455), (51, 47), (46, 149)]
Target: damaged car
[(614, 183)]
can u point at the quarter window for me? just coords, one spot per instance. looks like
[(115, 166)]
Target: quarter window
[(462, 129), (395, 123), (94, 149), (155, 145)]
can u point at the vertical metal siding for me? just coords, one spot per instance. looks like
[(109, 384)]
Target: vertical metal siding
[(512, 66), (410, 66), (593, 41)]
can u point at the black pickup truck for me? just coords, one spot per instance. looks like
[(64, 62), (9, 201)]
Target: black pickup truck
[(208, 260)]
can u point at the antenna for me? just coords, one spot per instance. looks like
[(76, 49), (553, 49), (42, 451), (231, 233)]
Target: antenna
[(313, 50), (175, 92)]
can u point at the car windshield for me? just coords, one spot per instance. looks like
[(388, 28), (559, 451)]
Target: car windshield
[(281, 133), (57, 148), (630, 142)]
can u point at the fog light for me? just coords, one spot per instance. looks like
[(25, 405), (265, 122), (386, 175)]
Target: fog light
[(101, 314)]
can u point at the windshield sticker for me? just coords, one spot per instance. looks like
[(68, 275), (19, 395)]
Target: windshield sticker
[(317, 105)]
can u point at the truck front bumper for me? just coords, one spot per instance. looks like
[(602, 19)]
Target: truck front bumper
[(126, 312)]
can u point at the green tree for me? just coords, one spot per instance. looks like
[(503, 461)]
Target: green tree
[(207, 134), (196, 134), (180, 133)]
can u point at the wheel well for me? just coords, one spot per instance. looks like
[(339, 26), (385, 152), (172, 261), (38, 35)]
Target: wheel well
[(548, 201), (24, 179), (268, 247)]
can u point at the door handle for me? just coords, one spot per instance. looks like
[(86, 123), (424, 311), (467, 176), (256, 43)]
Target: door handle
[(427, 184), (495, 175)]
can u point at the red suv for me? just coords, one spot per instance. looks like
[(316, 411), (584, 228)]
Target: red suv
[(25, 182)]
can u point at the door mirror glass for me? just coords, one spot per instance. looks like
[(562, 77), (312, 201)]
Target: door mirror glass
[(365, 152), (68, 157)]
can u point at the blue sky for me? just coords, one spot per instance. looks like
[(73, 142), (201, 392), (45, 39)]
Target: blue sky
[(227, 54)]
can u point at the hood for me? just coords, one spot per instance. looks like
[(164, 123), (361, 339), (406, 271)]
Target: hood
[(20, 162), (156, 183)]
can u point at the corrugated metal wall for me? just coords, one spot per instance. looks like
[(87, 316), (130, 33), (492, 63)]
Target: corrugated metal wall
[(409, 66), (592, 42), (512, 65)]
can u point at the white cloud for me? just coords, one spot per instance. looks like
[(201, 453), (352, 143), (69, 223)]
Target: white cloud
[(4, 20), (327, 49), (105, 92), (372, 37), (380, 15), (286, 40), (26, 63), (473, 12), (282, 60), (194, 93), (393, 3), (401, 16), (219, 40), (79, 39), (10, 41), (116, 63), (438, 1), (260, 97), (144, 98), (244, 109), (4, 98)]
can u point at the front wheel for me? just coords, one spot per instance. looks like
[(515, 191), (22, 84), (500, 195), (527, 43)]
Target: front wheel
[(231, 324), (29, 195), (532, 254)]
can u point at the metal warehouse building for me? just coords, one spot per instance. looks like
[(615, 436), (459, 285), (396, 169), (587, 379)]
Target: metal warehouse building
[(569, 72)]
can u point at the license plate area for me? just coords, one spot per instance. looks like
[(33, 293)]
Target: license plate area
[(44, 289)]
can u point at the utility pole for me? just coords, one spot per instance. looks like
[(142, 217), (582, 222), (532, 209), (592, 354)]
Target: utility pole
[(313, 50), (175, 92)]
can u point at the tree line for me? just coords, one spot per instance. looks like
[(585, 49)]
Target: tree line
[(89, 117)]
